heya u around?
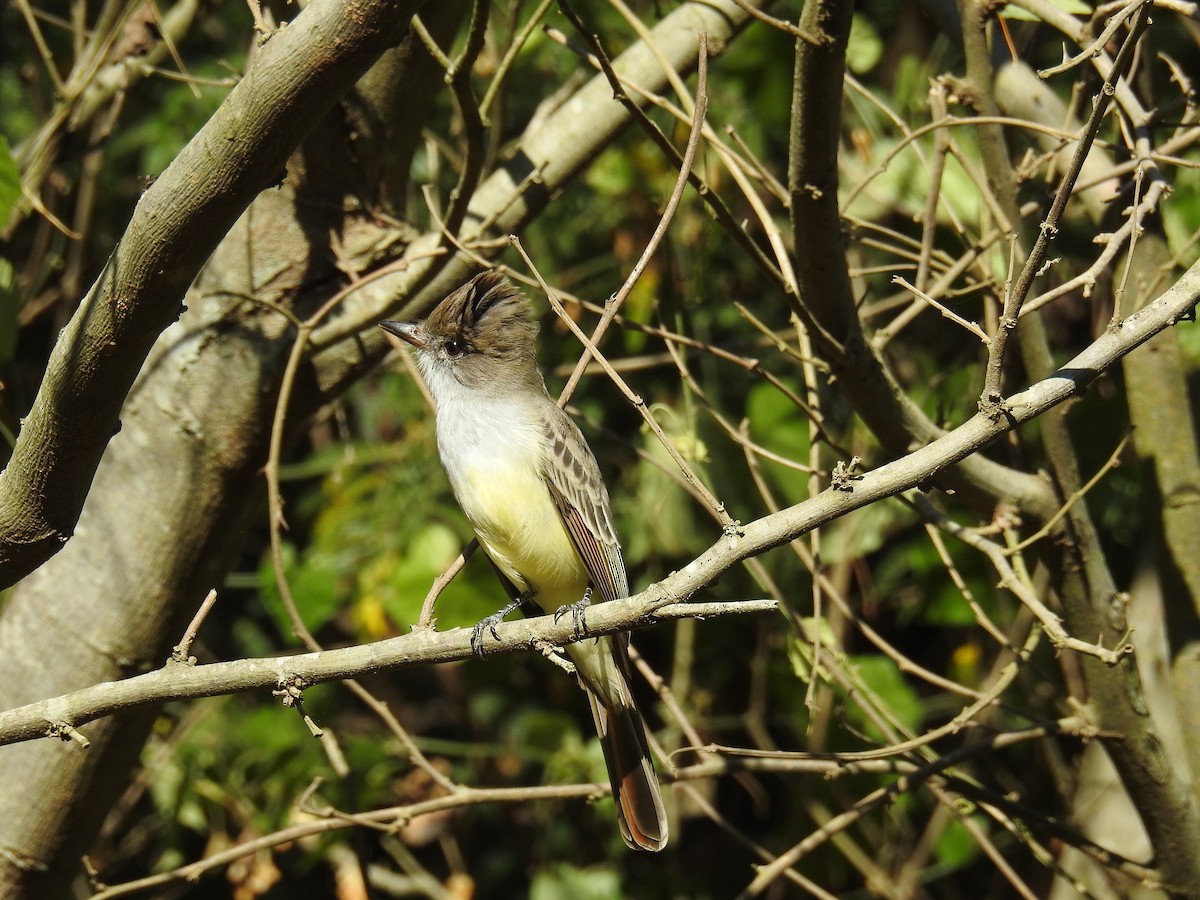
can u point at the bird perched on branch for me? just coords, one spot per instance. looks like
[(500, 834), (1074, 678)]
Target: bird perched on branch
[(529, 484)]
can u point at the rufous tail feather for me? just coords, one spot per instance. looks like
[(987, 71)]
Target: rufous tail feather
[(640, 813)]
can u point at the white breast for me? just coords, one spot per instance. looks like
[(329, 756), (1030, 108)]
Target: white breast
[(492, 449)]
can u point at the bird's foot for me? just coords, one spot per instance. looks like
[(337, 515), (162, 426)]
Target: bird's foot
[(578, 611), (490, 623)]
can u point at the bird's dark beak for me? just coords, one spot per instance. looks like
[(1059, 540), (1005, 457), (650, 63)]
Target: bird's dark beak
[(406, 331)]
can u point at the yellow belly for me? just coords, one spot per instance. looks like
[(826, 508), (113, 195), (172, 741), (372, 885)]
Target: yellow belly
[(519, 527)]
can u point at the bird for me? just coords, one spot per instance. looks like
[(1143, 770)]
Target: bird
[(529, 484)]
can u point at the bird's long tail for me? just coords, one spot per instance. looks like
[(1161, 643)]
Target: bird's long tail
[(640, 812)]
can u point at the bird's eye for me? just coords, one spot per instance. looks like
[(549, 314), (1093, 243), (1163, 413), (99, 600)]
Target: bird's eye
[(454, 348)]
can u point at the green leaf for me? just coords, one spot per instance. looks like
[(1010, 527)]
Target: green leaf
[(800, 649), (397, 582), (596, 883), (657, 519), (10, 180), (545, 732), (864, 532), (947, 607), (1188, 335), (955, 847), (8, 309), (779, 425), (864, 48), (612, 174), (313, 583), (881, 677), (1071, 7)]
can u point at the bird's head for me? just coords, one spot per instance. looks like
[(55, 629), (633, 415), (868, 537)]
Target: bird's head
[(481, 337)]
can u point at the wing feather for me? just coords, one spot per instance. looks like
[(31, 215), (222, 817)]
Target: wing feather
[(579, 494)]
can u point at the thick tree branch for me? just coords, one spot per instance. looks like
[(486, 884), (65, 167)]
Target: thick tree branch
[(175, 226)]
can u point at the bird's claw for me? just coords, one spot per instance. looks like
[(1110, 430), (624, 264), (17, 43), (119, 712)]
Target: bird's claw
[(578, 611), (489, 624)]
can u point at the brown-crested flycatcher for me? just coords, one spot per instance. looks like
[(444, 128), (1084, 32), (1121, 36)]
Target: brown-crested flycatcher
[(528, 482)]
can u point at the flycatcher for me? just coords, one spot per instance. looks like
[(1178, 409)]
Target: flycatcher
[(529, 484)]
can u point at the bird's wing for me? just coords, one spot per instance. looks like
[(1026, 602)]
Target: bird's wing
[(579, 494)]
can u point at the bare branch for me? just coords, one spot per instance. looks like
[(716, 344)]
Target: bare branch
[(60, 716)]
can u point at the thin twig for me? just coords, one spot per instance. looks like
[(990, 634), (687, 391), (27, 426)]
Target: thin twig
[(515, 46), (990, 399), (1112, 243), (944, 310), (459, 77), (426, 619), (180, 651), (1114, 24), (43, 48), (782, 24), (1021, 589), (911, 778), (613, 306), (1114, 460), (275, 521), (621, 90)]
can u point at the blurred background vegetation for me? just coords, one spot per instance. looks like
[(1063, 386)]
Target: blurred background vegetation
[(371, 521)]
